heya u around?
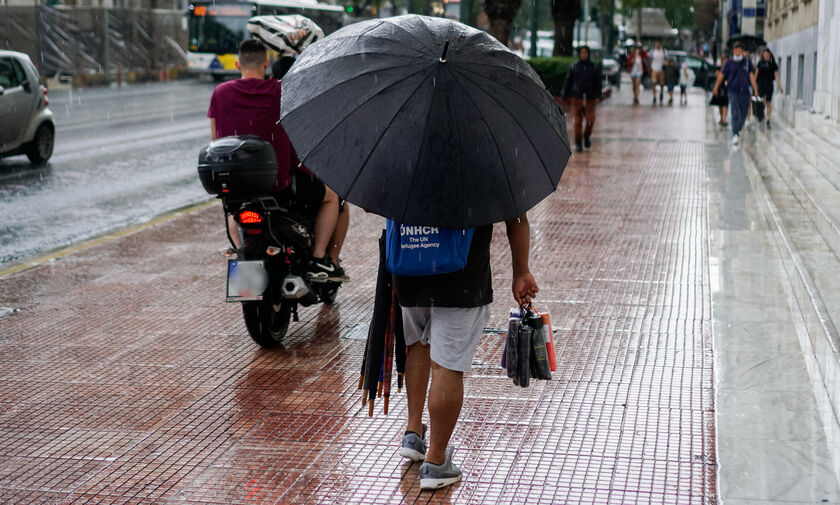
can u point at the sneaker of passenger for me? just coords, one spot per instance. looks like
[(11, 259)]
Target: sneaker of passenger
[(586, 142), (413, 446), (736, 140), (438, 476), (323, 270)]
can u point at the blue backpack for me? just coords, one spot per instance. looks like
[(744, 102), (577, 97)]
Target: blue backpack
[(425, 250)]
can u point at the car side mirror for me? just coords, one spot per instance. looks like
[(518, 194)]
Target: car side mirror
[(26, 86)]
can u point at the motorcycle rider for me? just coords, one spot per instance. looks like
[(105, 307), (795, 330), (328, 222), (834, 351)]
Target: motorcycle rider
[(251, 106)]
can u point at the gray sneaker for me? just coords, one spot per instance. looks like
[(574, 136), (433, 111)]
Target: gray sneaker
[(413, 446), (438, 476)]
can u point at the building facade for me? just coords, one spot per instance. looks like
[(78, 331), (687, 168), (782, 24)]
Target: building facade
[(827, 91), (742, 17), (792, 33)]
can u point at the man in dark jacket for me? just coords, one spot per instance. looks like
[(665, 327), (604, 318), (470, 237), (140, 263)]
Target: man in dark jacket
[(583, 89)]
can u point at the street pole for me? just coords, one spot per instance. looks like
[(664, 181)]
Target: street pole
[(466, 12), (106, 56), (611, 26), (408, 7), (532, 52)]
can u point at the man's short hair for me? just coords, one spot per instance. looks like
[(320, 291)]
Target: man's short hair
[(252, 53), (738, 45)]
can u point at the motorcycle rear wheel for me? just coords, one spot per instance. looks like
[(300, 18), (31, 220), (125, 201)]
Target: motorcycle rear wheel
[(266, 322)]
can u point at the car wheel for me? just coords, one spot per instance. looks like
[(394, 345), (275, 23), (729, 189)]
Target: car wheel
[(40, 149)]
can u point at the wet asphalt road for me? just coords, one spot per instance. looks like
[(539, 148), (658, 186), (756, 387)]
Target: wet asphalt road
[(122, 156)]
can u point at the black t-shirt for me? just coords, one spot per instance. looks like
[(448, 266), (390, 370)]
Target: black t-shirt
[(766, 71), (470, 287)]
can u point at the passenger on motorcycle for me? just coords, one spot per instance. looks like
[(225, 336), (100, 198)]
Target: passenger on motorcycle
[(251, 106)]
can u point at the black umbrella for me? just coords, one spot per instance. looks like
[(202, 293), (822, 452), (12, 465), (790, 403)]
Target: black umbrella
[(425, 121), (751, 43)]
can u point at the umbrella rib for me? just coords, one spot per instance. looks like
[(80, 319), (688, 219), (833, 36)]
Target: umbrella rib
[(505, 86), (495, 143), (351, 113), (545, 166), (384, 131)]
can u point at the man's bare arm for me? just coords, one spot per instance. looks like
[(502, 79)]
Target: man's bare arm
[(524, 286), (717, 83), (212, 128)]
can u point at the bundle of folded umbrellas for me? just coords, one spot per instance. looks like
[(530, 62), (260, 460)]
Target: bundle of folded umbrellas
[(529, 347)]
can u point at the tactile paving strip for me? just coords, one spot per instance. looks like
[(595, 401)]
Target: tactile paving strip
[(126, 379)]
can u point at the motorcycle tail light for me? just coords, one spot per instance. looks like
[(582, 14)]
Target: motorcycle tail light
[(46, 99), (273, 251), (250, 217)]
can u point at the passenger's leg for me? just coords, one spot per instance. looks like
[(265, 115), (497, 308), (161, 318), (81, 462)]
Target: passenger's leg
[(233, 228), (325, 223), (340, 233)]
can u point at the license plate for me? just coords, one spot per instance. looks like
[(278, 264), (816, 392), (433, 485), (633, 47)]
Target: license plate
[(246, 280)]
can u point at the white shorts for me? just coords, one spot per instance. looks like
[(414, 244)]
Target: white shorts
[(453, 332)]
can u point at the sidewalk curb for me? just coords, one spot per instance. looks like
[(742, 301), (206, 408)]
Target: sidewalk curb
[(815, 327), (15, 267)]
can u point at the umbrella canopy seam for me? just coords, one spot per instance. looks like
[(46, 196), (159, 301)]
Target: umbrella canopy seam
[(496, 145), (513, 116), (342, 120), (419, 154), (384, 131), (531, 103), (391, 67)]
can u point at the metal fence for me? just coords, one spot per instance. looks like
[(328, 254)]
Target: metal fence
[(87, 40)]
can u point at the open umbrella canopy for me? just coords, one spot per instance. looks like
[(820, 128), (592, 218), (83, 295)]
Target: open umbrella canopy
[(289, 34), (425, 121)]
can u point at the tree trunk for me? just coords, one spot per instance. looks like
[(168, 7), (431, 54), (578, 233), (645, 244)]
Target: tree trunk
[(501, 14), (564, 36), (564, 12), (639, 26)]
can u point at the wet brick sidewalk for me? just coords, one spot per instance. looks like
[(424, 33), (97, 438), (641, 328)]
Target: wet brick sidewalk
[(126, 379)]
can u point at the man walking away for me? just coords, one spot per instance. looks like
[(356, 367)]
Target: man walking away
[(443, 319), (672, 78), (768, 72), (740, 80), (657, 67), (251, 106), (583, 89)]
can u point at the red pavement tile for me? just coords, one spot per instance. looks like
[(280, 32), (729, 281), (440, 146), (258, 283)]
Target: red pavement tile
[(126, 379)]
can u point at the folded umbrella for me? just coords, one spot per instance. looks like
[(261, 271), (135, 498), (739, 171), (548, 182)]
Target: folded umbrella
[(289, 34), (458, 129)]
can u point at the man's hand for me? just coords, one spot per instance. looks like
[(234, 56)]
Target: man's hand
[(524, 288)]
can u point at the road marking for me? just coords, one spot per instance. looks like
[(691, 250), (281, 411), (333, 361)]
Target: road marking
[(87, 244)]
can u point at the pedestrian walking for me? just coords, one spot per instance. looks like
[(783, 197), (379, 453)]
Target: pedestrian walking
[(448, 175), (721, 100), (686, 81), (740, 79), (583, 89), (672, 78), (767, 73), (657, 70), (637, 67)]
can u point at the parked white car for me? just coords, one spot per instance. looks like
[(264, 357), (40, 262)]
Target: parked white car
[(27, 125)]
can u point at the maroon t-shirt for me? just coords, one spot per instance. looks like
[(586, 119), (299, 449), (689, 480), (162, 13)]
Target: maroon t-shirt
[(252, 107)]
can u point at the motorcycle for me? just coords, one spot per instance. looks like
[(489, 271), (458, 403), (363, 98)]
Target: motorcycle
[(267, 272)]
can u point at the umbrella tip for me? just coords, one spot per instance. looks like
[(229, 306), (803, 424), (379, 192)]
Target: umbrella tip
[(445, 49)]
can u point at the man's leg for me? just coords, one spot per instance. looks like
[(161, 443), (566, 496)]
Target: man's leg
[(325, 223), (417, 369), (340, 233), (577, 114), (445, 399), (589, 112)]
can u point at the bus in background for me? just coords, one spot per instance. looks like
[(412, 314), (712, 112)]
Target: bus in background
[(217, 27)]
